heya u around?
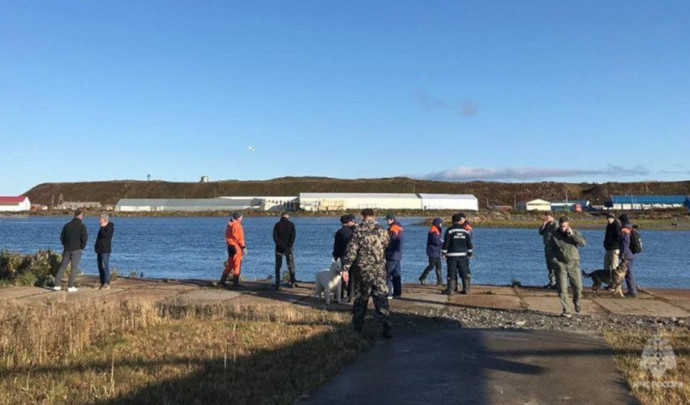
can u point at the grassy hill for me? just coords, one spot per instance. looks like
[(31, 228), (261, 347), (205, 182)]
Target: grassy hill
[(109, 192)]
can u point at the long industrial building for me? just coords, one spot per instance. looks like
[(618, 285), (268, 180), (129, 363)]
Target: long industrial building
[(462, 202), (320, 202), (311, 202), (647, 202), (182, 204)]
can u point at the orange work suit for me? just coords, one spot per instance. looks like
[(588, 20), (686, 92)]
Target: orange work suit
[(234, 236)]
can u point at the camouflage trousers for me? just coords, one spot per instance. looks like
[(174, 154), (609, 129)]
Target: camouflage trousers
[(378, 291)]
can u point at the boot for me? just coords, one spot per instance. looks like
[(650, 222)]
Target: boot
[(466, 285), (236, 282), (223, 279), (450, 290)]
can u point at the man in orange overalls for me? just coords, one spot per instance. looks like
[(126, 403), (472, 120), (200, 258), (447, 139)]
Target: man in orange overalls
[(234, 236)]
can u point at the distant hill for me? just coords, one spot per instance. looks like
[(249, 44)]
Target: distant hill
[(109, 192)]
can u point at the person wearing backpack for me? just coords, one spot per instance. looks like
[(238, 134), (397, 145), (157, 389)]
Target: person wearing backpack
[(629, 244)]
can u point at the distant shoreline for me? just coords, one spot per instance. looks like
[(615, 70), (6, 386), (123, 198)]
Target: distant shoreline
[(671, 220)]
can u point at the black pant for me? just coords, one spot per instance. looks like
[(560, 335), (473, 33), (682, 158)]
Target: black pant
[(74, 257), (433, 262), (289, 258), (348, 289), (458, 266)]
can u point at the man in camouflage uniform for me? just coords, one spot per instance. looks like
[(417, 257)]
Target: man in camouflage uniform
[(367, 249), (566, 259)]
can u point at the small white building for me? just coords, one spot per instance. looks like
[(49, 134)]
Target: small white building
[(465, 202), (15, 204), (535, 205), (354, 201)]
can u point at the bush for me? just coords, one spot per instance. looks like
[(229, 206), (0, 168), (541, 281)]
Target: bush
[(37, 269)]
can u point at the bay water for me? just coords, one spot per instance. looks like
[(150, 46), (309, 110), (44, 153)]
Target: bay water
[(194, 247)]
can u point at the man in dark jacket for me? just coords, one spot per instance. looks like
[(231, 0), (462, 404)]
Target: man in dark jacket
[(393, 257), (612, 242), (628, 255), (433, 251), (547, 228), (73, 239), (457, 248), (103, 249), (284, 237), (340, 242)]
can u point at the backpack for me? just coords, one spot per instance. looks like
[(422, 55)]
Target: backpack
[(635, 242)]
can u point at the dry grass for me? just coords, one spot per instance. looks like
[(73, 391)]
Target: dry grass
[(148, 352), (673, 386)]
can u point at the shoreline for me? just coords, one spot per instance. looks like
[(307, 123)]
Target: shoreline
[(646, 220)]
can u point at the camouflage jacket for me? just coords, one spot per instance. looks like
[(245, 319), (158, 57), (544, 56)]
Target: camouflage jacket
[(367, 248), (564, 247)]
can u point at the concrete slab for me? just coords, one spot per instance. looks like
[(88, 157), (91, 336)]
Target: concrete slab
[(456, 365), (630, 306), (207, 295), (17, 293), (412, 301), (487, 301), (83, 294)]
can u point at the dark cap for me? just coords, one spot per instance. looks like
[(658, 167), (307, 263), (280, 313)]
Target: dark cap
[(390, 215), (78, 212), (350, 217), (457, 217), (237, 214), (367, 212), (563, 219), (624, 219), (284, 214)]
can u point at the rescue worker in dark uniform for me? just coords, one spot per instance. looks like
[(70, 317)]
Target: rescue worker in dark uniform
[(340, 242), (457, 248), (394, 257), (367, 248), (433, 251)]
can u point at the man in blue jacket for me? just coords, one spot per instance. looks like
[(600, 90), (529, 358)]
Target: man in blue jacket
[(433, 251), (628, 255), (340, 242), (393, 257)]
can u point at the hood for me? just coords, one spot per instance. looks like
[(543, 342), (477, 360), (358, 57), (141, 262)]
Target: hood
[(437, 222)]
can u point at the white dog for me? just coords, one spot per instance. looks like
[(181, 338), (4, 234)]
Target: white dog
[(329, 280)]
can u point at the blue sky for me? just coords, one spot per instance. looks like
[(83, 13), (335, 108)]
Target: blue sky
[(453, 90)]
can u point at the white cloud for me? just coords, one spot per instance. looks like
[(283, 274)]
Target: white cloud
[(464, 173)]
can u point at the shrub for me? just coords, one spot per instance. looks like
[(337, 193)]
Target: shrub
[(37, 269)]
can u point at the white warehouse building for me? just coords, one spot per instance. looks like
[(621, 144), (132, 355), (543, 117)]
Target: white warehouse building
[(316, 202), (182, 204), (464, 202), (15, 204)]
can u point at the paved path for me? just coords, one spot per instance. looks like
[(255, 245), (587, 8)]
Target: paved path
[(470, 366), (440, 365)]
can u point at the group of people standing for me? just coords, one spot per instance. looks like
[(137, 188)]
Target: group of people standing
[(456, 247), (561, 243), (74, 237)]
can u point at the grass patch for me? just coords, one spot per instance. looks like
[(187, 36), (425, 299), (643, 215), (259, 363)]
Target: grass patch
[(142, 352), (671, 384)]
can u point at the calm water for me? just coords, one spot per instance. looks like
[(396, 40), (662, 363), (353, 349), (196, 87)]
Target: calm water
[(195, 248)]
